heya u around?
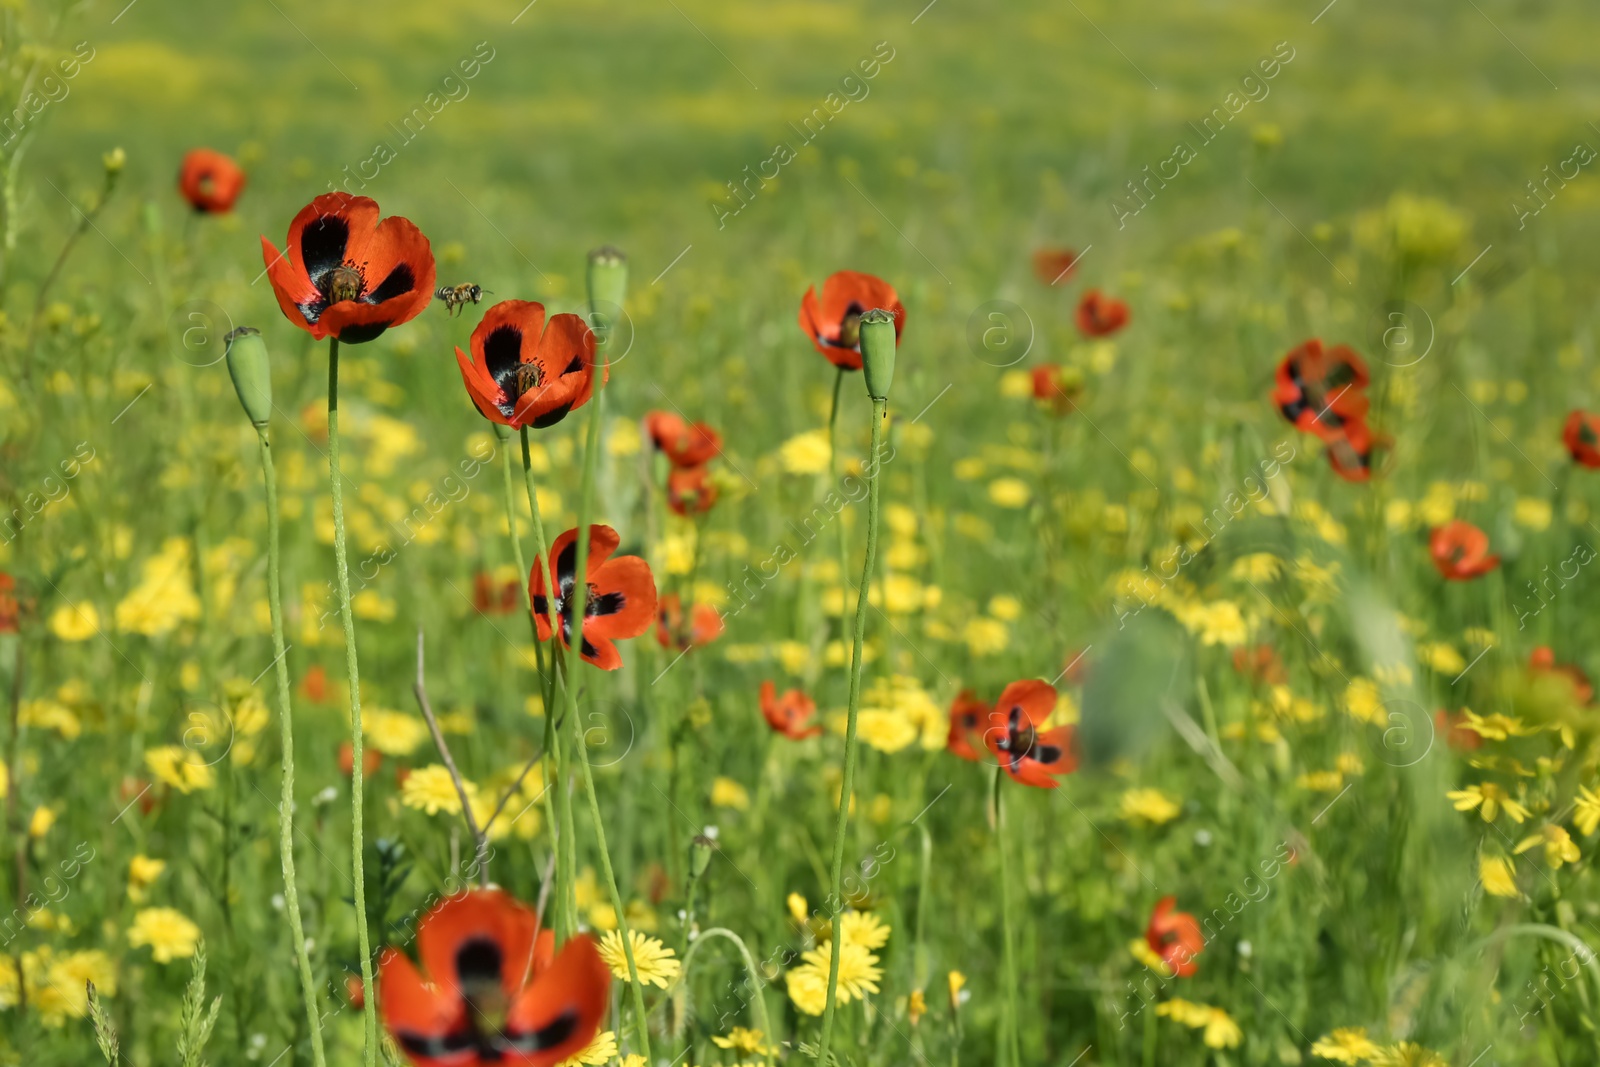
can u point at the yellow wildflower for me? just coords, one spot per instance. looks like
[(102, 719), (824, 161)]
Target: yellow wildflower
[(75, 622), (602, 1050), (142, 872), (1489, 798), (169, 933), (1348, 1044), (1149, 805), (393, 733), (806, 453), (655, 963), (431, 790), (957, 982), (745, 1041), (179, 768), (1558, 845), (1497, 877), (799, 910), (1585, 814), (1009, 492), (863, 929)]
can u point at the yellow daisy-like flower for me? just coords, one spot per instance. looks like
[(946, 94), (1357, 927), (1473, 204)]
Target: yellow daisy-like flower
[(1364, 702), (39, 824), (858, 973), (179, 768), (744, 1040), (1149, 805), (807, 989), (885, 730), (957, 982), (656, 963), (1493, 727), (1408, 1054), (1585, 814), (1221, 1031), (916, 1006), (985, 637), (806, 453), (431, 790), (75, 622), (1490, 799), (863, 929), (597, 1053), (1497, 876), (1558, 845), (1256, 567), (1348, 1044), (727, 793), (1140, 949), (799, 910), (391, 732), (168, 932), (142, 872), (1442, 657)]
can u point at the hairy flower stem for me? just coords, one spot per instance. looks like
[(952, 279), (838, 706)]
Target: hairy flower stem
[(833, 474), (580, 593), (357, 770), (1009, 945), (566, 853), (846, 793), (291, 891)]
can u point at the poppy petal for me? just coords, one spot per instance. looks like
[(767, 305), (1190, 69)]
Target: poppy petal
[(559, 1013)]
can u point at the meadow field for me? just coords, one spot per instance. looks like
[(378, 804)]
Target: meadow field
[(1172, 647)]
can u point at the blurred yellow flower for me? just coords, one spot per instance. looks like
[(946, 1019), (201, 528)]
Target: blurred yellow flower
[(597, 1053), (75, 622), (1442, 657), (1364, 702), (1148, 805), (863, 929), (744, 1040), (1490, 799), (806, 453), (392, 733), (178, 767), (431, 790), (169, 934), (799, 910), (1532, 513), (727, 793), (1009, 492), (42, 819), (1558, 845), (1008, 608), (957, 982), (1348, 1044), (142, 872), (1497, 877), (1585, 813), (369, 604), (1256, 567), (165, 595), (985, 637)]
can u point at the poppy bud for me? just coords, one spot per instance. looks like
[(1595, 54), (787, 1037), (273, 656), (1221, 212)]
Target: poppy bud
[(252, 373), (877, 352), (700, 850), (608, 287), (114, 161)]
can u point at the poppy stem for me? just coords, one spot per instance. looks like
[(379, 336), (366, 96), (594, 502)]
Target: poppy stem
[(847, 787), (1008, 935), (291, 891), (566, 854), (357, 768), (833, 475), (578, 610)]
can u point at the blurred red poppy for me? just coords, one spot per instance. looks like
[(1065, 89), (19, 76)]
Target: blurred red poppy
[(1031, 756), (526, 372), (690, 491), (705, 624), (684, 444), (1260, 663), (371, 759), (1461, 551), (1582, 437), (314, 686), (834, 322), (9, 611), (1099, 315), (1320, 390), (210, 181), (1543, 661), (1350, 451), (355, 992), (345, 274), (495, 990), (968, 715), (1053, 265), (1456, 736), (492, 598), (790, 714), (1174, 936), (620, 601), (1057, 387)]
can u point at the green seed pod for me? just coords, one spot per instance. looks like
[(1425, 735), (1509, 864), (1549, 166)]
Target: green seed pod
[(877, 352), (700, 850), (252, 373), (608, 288)]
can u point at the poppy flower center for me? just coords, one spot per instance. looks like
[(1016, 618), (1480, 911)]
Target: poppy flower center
[(850, 327), (341, 283), (529, 377)]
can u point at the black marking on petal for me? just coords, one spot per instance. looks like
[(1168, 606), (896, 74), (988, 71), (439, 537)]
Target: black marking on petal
[(606, 604), (399, 282), (1048, 754), (478, 960), (559, 1030), (322, 245), (436, 1046), (551, 417), (360, 333), (575, 366), (502, 358), (588, 649), (312, 309)]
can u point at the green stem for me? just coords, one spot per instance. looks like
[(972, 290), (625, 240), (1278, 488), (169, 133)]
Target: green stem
[(762, 1021), (565, 853), (357, 775), (1009, 937), (833, 477), (846, 793), (580, 572), (291, 891)]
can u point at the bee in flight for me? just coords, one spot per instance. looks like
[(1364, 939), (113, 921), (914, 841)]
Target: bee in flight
[(457, 296)]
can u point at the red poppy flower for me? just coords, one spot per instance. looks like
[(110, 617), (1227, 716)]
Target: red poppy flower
[(1058, 387), (344, 273), (691, 491), (1456, 736), (1543, 661), (210, 181), (9, 609), (968, 715), (1320, 390), (525, 372), (620, 602), (1260, 663), (492, 598), (1174, 936), (138, 789), (1101, 316), (789, 714), (705, 624), (1052, 265), (1461, 551), (1582, 437), (834, 322), (355, 992), (1350, 451), (495, 991), (314, 686), (1029, 755), (684, 444), (371, 759)]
